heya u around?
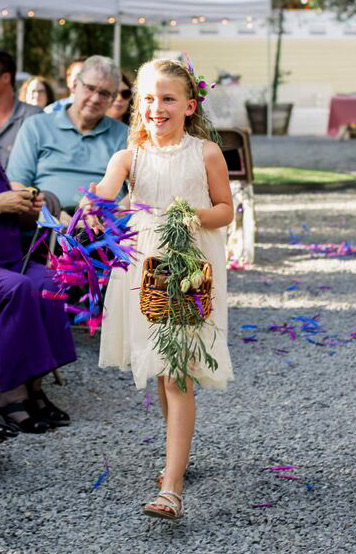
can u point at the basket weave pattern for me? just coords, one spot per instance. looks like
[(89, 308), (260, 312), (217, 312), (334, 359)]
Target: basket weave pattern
[(155, 303)]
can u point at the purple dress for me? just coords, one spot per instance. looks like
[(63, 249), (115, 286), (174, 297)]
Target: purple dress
[(35, 335)]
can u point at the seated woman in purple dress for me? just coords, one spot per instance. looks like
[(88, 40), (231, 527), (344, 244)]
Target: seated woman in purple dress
[(35, 336)]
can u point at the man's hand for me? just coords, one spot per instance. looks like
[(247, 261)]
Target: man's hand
[(15, 201), (37, 203)]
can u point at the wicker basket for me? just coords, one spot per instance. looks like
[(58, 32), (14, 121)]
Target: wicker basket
[(154, 301)]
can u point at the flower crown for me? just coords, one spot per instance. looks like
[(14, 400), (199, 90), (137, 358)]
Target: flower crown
[(200, 81)]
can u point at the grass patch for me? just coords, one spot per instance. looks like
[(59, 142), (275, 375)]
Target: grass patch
[(295, 176)]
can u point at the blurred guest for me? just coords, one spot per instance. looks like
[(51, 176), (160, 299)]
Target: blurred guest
[(121, 107), (35, 335), (71, 78), (13, 112), (37, 92), (65, 150)]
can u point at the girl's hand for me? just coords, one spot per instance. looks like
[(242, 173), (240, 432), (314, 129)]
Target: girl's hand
[(86, 204), (64, 218)]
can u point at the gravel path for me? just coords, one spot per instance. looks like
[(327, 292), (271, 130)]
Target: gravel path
[(292, 403)]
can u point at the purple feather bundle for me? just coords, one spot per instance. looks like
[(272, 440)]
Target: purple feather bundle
[(87, 259), (333, 250)]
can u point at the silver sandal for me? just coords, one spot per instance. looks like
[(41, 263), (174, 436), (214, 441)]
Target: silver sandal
[(173, 510)]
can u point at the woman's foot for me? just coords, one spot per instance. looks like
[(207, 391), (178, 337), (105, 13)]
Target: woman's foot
[(168, 505), (7, 431), (19, 416), (46, 410)]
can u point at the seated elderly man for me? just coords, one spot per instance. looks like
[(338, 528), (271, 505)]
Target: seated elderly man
[(65, 150), (35, 334)]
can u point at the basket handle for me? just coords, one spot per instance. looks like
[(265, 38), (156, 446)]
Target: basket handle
[(132, 178)]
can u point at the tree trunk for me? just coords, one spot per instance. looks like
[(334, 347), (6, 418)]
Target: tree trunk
[(277, 63)]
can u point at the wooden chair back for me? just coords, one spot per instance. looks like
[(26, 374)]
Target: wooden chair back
[(237, 153)]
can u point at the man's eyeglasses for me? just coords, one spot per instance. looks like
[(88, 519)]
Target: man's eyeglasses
[(125, 94), (104, 95)]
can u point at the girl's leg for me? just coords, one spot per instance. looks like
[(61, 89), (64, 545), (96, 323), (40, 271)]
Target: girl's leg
[(162, 397), (180, 429)]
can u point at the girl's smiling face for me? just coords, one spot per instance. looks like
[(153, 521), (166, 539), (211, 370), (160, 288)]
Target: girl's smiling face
[(163, 107)]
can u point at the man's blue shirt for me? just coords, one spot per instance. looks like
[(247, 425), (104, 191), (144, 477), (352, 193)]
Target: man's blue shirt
[(52, 154)]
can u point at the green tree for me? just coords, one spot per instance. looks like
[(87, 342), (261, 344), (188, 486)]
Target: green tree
[(38, 36), (138, 45), (50, 47), (279, 7), (344, 8)]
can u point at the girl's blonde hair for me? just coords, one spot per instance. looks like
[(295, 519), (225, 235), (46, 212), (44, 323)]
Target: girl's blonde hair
[(195, 124)]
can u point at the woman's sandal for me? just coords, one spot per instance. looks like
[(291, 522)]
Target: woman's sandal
[(7, 431), (27, 425), (49, 413), (172, 510)]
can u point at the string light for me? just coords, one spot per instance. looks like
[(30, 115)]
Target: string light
[(4, 13), (195, 20), (202, 19), (142, 20), (31, 13), (62, 21), (173, 23), (225, 21), (111, 20)]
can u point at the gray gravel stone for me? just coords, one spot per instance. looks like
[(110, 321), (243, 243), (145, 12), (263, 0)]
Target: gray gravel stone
[(294, 407)]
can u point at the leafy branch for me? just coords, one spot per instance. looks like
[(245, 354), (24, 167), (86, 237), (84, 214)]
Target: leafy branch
[(178, 338)]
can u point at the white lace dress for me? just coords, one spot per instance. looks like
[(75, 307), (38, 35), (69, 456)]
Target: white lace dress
[(161, 175)]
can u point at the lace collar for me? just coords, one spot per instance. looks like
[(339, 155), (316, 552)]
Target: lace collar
[(170, 148)]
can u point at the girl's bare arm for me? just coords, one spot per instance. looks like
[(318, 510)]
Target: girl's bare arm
[(117, 171), (222, 212)]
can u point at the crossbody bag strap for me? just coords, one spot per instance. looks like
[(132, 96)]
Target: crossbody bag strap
[(133, 172)]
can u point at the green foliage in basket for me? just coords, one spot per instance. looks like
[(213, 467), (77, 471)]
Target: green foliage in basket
[(180, 343)]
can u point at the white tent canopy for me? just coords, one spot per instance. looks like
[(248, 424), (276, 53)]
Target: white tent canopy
[(154, 12), (128, 11)]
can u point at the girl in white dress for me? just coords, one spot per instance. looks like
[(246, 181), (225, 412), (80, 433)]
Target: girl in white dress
[(171, 157)]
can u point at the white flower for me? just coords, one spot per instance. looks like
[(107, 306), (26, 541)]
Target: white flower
[(185, 285), (196, 279)]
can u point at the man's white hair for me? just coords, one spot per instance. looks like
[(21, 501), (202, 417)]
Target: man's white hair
[(105, 66)]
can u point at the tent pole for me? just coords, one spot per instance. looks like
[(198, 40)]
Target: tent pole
[(20, 31), (269, 75), (117, 43)]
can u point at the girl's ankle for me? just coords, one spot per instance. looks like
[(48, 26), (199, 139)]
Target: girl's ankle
[(175, 485)]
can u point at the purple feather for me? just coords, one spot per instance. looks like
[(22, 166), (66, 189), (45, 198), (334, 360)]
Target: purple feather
[(264, 505)]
